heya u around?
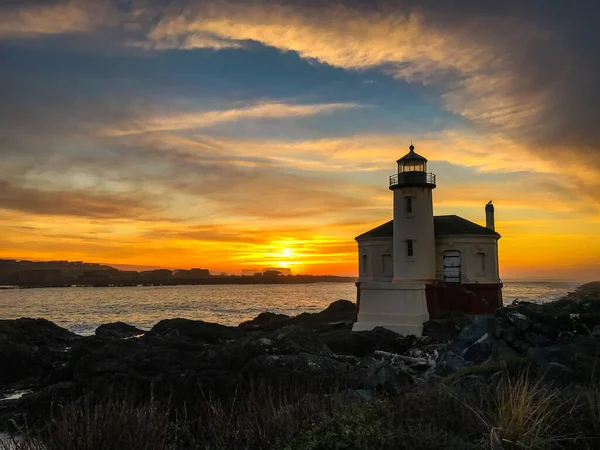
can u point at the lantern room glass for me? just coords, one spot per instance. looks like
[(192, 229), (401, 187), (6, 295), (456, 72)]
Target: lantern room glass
[(412, 166)]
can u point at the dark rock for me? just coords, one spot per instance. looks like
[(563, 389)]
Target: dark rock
[(596, 331), (302, 368), (32, 348), (537, 339), (480, 350), (520, 321), (473, 332), (196, 330), (289, 340), (117, 330), (501, 351), (266, 321), (34, 332), (446, 329), (473, 383), (581, 328), (556, 373), (521, 346), (506, 331), (565, 336), (364, 343), (547, 329), (449, 362), (578, 354), (339, 314), (338, 311), (382, 376), (587, 294)]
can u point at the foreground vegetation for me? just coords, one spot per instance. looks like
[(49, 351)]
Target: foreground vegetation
[(489, 409), (524, 378)]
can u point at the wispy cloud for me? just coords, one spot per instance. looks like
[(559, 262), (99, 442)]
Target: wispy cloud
[(210, 118), (46, 19)]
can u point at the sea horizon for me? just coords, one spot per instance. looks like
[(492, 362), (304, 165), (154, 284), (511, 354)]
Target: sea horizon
[(82, 310)]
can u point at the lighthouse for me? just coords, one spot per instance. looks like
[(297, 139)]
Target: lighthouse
[(420, 266), (414, 238)]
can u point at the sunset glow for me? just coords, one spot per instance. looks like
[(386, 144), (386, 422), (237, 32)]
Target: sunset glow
[(229, 136)]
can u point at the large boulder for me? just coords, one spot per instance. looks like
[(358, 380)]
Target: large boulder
[(520, 321), (446, 329), (117, 330), (290, 340), (480, 350), (474, 331), (340, 312), (266, 321), (381, 376), (196, 330), (363, 343), (34, 332), (32, 349)]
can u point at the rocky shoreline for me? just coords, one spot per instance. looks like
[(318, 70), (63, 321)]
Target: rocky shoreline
[(185, 360)]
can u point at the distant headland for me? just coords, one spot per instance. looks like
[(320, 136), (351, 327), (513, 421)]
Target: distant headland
[(25, 274)]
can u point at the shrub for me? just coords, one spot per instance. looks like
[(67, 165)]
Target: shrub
[(359, 427)]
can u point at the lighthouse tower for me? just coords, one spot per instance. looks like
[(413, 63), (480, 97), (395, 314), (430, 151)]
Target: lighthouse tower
[(414, 238), (397, 300)]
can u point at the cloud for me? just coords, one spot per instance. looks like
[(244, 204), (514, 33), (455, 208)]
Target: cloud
[(512, 71), (210, 118), (46, 19), (64, 203)]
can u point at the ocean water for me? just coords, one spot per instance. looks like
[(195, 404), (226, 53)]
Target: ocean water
[(83, 309)]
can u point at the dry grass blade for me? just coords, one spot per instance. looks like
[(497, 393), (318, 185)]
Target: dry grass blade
[(527, 416)]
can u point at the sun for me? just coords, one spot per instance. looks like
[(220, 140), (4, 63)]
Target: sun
[(288, 253)]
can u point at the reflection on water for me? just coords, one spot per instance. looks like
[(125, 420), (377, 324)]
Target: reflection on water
[(81, 310)]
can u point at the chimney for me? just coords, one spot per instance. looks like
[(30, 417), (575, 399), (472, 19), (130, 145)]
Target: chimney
[(489, 216)]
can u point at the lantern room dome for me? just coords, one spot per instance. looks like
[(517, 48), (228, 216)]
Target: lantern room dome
[(411, 157)]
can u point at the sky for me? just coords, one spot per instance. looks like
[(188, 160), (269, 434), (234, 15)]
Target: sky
[(232, 135)]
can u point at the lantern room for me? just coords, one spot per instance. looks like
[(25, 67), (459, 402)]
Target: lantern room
[(412, 172), (412, 162)]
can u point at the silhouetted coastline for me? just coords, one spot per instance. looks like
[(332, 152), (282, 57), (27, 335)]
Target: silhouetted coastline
[(32, 274)]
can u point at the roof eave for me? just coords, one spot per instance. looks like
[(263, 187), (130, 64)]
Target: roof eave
[(370, 238), (495, 235)]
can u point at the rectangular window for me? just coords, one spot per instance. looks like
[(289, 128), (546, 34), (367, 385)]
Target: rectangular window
[(364, 264), (387, 265), (408, 207), (481, 262), (409, 247)]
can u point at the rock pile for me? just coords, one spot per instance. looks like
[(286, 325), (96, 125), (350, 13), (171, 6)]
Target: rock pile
[(185, 359), (559, 340)]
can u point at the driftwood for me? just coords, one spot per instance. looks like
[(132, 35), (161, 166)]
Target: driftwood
[(409, 360)]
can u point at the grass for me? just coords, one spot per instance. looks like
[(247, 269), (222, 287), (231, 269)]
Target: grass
[(527, 416), (511, 412)]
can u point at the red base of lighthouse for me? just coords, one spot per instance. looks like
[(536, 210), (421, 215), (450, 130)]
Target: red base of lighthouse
[(471, 299)]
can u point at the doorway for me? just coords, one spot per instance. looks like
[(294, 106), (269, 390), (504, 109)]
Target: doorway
[(452, 273)]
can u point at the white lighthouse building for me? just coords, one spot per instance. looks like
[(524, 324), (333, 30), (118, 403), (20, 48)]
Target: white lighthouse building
[(418, 265)]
